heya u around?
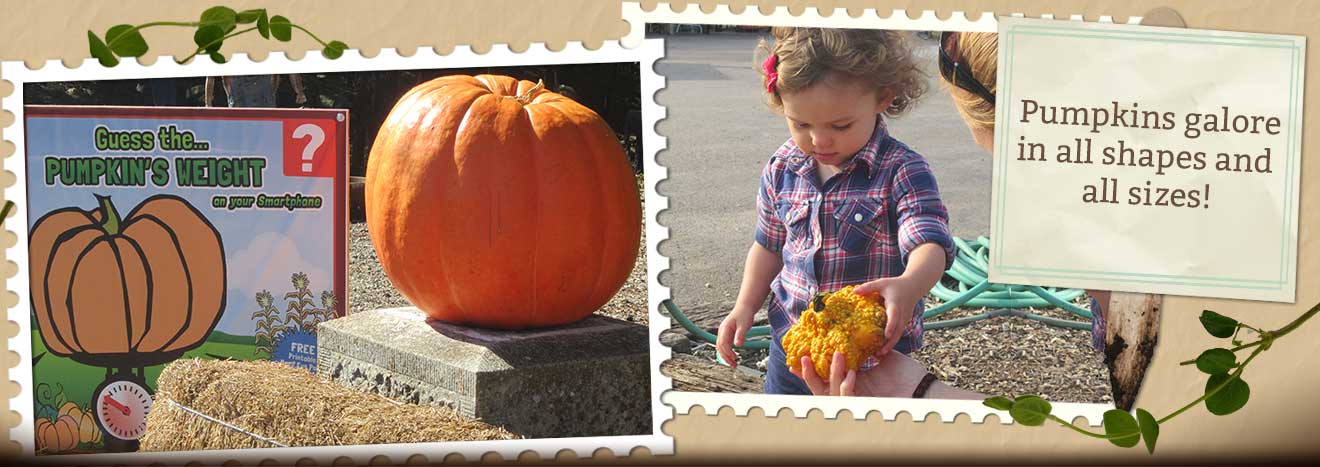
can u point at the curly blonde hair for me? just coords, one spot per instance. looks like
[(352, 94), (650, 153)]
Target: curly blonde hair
[(875, 59), (980, 51)]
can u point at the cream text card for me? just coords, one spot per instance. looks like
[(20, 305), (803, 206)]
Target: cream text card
[(1147, 159)]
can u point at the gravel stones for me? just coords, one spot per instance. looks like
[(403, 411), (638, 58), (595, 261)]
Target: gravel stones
[(370, 289)]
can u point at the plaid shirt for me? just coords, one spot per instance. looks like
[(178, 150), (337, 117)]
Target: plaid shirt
[(857, 227)]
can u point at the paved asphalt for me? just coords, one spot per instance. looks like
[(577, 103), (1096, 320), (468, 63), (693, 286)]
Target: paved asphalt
[(720, 134)]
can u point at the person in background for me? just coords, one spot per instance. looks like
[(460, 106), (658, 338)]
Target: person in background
[(252, 90), (164, 92), (969, 64)]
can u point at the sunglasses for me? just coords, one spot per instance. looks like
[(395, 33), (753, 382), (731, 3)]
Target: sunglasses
[(956, 72)]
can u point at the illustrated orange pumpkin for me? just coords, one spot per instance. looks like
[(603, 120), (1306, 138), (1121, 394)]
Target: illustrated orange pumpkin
[(58, 436), (87, 429), (496, 203), (126, 292)]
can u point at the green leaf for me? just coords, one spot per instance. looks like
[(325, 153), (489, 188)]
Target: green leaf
[(249, 16), (126, 42), (1150, 429), (209, 38), (1229, 399), (47, 412), (221, 17), (334, 50), (217, 57), (100, 51), (1030, 410), (281, 28), (263, 25), (1120, 423), (998, 403), (1216, 361), (1218, 325)]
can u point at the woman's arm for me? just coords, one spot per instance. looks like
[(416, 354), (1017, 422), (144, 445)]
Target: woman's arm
[(897, 375), (939, 390)]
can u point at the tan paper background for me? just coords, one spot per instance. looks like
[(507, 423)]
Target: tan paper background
[(1279, 423)]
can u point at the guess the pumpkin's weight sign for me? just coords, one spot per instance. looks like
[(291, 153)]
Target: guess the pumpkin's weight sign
[(163, 233)]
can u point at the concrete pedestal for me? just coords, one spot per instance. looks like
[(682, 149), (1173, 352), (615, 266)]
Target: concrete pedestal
[(590, 378)]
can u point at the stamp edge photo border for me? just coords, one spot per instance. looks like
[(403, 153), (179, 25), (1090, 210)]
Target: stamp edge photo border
[(637, 17), (498, 55)]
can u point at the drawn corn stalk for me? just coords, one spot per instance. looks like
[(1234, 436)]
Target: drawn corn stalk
[(329, 303), (266, 321), (299, 302)]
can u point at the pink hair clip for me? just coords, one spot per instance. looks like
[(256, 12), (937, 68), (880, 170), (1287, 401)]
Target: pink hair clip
[(770, 67)]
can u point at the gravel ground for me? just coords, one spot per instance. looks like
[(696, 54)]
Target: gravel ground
[(1008, 356), (1013, 356), (369, 289)]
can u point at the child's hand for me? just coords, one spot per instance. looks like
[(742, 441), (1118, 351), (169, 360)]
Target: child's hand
[(733, 331), (900, 295)]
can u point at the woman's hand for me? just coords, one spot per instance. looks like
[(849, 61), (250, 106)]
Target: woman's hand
[(733, 331), (897, 375), (842, 380)]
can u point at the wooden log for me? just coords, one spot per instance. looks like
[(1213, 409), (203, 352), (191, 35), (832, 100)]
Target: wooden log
[(1132, 324), (695, 374), (1132, 327)]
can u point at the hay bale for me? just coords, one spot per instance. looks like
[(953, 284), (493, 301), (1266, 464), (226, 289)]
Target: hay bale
[(268, 404)]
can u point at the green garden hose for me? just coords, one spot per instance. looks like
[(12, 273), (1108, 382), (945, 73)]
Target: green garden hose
[(973, 289), (693, 329)]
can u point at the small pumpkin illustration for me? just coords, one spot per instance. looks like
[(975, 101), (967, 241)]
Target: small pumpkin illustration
[(133, 291), (71, 409), (87, 430), (494, 202), (58, 436)]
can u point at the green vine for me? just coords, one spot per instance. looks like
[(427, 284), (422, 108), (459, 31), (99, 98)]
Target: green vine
[(4, 212), (217, 25), (1225, 390)]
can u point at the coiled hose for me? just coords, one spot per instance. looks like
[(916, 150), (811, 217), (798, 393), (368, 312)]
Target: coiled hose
[(973, 289)]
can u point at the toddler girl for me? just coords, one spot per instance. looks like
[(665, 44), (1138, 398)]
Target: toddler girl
[(841, 202)]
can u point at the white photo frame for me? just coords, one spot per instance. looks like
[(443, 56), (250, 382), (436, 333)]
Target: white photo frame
[(645, 53), (859, 407)]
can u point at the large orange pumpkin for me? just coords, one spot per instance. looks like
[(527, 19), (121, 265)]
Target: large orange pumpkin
[(58, 436), (128, 292), (493, 202)]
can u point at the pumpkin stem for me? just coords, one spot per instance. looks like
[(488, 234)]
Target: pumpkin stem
[(109, 216), (527, 96)]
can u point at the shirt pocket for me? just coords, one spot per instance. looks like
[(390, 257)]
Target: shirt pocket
[(796, 216), (861, 221)]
